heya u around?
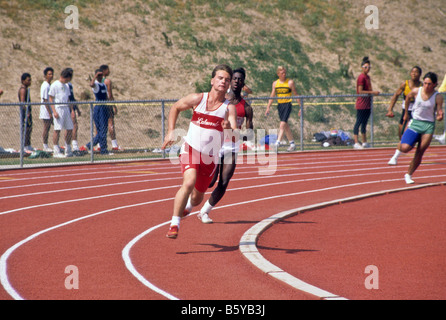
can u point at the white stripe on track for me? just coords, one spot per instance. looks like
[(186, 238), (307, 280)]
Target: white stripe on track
[(231, 189), (143, 280), (126, 251)]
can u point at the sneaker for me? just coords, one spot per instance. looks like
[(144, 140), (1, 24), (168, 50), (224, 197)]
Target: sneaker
[(358, 146), (173, 232), (47, 149), (118, 148), (29, 149), (393, 162), (204, 217), (408, 179), (69, 154), (292, 147), (441, 138), (58, 155), (365, 145)]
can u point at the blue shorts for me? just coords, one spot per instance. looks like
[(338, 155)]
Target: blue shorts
[(410, 137)]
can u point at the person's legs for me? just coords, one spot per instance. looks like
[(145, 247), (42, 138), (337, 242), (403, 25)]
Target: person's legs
[(421, 149), (186, 190), (45, 133), (226, 173)]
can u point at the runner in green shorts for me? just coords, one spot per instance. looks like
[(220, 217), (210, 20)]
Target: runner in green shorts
[(427, 108)]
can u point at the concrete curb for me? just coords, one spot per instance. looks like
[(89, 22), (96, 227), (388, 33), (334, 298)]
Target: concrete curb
[(248, 242)]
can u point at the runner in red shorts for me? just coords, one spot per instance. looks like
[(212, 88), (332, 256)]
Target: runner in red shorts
[(212, 114)]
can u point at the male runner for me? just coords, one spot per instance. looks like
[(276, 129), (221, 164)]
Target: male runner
[(199, 153), (229, 151)]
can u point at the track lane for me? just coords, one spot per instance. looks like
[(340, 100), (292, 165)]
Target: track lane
[(240, 182)]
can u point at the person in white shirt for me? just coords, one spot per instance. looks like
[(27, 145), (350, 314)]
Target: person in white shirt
[(427, 108), (62, 113), (46, 114), (199, 155)]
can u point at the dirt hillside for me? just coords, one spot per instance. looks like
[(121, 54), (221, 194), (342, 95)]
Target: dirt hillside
[(160, 49)]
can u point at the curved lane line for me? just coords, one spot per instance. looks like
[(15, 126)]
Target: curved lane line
[(248, 242), (4, 280)]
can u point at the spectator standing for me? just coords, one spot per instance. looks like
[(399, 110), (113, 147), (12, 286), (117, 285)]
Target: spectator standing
[(26, 117), (283, 88), (76, 113), (443, 86), (363, 104), (100, 113), (46, 114), (113, 110), (62, 112)]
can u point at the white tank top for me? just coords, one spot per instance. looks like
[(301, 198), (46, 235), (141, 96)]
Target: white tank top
[(424, 110), (206, 130)]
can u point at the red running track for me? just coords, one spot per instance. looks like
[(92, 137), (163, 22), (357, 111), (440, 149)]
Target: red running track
[(109, 222)]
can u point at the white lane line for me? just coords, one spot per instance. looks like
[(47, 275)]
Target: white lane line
[(250, 178), (179, 178), (4, 258), (126, 251), (248, 242)]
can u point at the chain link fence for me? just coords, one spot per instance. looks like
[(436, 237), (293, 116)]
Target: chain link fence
[(141, 125)]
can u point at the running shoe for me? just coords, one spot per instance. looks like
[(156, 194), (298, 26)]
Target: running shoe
[(393, 162), (292, 147), (365, 145), (441, 138), (358, 146), (204, 217), (173, 232), (58, 155), (408, 179), (118, 148)]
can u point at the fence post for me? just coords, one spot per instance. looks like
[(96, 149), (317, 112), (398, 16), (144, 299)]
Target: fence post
[(301, 124), (22, 134), (91, 133), (162, 127)]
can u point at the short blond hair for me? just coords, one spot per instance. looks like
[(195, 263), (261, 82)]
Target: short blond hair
[(280, 68)]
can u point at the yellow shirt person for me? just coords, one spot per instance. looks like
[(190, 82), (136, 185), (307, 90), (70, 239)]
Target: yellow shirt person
[(443, 85)]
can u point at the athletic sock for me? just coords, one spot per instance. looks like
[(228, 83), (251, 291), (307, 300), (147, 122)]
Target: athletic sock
[(397, 154), (206, 208), (291, 142), (114, 143), (175, 221), (189, 205)]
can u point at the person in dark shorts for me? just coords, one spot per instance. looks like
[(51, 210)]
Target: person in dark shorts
[(26, 116), (363, 104), (283, 88)]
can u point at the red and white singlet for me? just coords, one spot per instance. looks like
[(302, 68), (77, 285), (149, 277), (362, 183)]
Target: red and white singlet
[(228, 145), (205, 130)]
